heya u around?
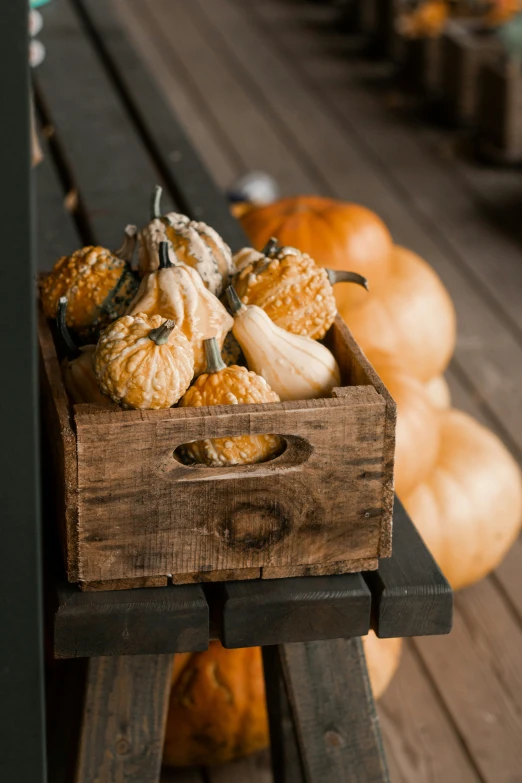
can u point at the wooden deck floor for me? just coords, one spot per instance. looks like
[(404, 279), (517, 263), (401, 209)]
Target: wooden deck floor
[(275, 85)]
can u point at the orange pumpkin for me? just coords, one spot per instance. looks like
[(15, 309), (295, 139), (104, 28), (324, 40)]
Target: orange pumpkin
[(409, 315), (336, 234), (469, 508), (382, 660), (217, 707), (418, 423), (438, 392)]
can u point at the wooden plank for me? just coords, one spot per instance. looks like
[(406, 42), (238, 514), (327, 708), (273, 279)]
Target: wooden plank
[(183, 775), (333, 711), (124, 718), (410, 596), (150, 621), (284, 751), (254, 769), (419, 737), (65, 693), (56, 231), (237, 115), (477, 673), (415, 192), (294, 610), (114, 177), (190, 183), (22, 726)]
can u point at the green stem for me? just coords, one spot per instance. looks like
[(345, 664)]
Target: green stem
[(161, 334), (126, 251), (340, 276), (234, 302), (214, 361), (71, 349), (155, 202), (163, 252), (271, 247)]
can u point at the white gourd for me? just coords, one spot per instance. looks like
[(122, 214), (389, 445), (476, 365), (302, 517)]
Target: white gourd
[(295, 367)]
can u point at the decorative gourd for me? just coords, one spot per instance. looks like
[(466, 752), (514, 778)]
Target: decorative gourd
[(382, 660), (193, 243), (77, 367), (231, 352), (425, 20), (143, 362), (438, 392), (418, 423), (295, 367), (98, 285), (217, 707), (409, 315), (222, 385), (289, 286), (177, 292), (337, 235), (469, 509)]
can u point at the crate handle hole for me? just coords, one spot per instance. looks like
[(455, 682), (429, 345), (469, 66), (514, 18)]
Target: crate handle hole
[(294, 451)]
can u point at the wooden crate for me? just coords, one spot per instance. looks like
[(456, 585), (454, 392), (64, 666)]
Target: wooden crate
[(499, 113), (133, 515), (467, 46)]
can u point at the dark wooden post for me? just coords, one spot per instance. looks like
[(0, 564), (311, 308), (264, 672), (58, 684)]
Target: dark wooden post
[(22, 755)]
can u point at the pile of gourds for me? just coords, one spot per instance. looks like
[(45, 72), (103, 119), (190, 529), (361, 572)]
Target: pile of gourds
[(427, 18), (159, 335)]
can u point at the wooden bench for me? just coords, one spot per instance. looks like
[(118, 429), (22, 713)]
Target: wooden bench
[(110, 136)]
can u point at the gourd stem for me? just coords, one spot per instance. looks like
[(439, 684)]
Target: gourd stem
[(71, 349), (126, 251), (340, 276), (164, 260), (214, 361), (271, 247), (234, 302), (155, 202), (160, 335)]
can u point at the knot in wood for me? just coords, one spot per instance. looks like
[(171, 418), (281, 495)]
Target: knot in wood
[(333, 739)]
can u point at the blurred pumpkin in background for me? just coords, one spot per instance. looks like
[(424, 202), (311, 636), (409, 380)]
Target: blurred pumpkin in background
[(468, 510), (337, 235), (418, 422)]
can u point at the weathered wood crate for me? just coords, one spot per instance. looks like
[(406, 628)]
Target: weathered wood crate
[(133, 515), (467, 46), (499, 111)]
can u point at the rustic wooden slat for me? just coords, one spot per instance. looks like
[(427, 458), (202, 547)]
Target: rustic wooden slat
[(147, 621), (410, 596), (476, 670), (55, 228), (284, 751), (333, 712), (190, 183), (65, 693), (268, 612), (124, 718), (115, 175), (419, 736)]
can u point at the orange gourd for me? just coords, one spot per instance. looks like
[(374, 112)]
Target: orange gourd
[(336, 234), (382, 660), (77, 366), (438, 392), (418, 423), (409, 315), (468, 510)]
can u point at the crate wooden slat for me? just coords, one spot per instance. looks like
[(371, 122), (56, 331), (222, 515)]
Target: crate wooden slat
[(499, 111), (326, 501)]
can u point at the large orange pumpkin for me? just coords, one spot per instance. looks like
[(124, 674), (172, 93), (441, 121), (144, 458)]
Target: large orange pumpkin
[(418, 423), (469, 508), (217, 709), (409, 315), (336, 234)]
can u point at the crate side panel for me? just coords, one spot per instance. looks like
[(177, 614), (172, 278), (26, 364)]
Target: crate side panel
[(141, 513)]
